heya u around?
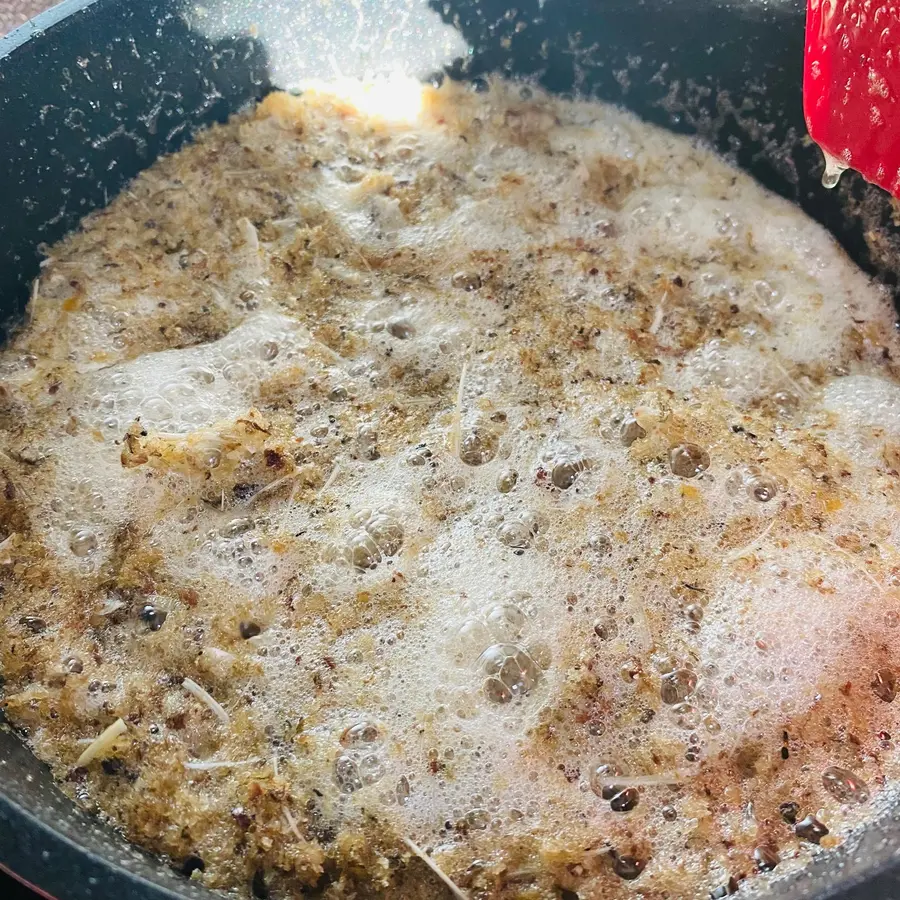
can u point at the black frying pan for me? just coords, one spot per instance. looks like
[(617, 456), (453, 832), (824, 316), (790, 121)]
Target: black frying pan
[(728, 70)]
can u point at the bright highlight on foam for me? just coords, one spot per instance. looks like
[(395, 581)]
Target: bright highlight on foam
[(392, 98)]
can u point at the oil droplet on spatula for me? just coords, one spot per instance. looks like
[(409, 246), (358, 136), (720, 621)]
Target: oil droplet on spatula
[(834, 168)]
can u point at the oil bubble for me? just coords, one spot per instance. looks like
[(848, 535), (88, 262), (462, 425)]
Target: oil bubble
[(509, 671), (688, 460), (83, 542)]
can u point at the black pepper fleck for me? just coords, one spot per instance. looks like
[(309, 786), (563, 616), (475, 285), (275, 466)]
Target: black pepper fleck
[(628, 867), (112, 766), (192, 864), (153, 617), (249, 630), (258, 885), (241, 817)]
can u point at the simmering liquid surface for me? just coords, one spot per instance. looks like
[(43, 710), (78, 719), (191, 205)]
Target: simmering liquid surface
[(514, 484)]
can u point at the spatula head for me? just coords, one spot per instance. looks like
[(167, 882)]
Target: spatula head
[(851, 86)]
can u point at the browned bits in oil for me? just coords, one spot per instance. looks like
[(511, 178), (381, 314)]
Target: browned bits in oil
[(56, 679), (189, 596), (241, 817), (789, 811), (810, 829), (765, 857), (688, 460), (258, 885), (611, 179), (355, 356), (249, 630), (631, 431), (884, 684), (113, 767)]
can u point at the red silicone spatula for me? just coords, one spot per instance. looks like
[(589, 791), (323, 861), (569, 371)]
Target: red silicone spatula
[(851, 87)]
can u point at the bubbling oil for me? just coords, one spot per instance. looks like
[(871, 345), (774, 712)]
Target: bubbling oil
[(647, 532)]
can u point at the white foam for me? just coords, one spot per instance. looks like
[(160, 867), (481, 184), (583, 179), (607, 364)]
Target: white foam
[(183, 390), (866, 412)]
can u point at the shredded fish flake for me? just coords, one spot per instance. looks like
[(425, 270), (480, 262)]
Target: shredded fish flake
[(102, 743), (752, 547), (421, 854), (456, 427), (204, 696), (642, 780), (203, 765), (292, 824), (659, 315), (6, 549), (332, 478), (249, 234)]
